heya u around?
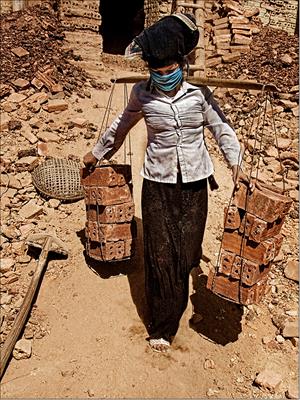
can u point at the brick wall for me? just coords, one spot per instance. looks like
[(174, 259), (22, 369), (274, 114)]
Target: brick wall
[(281, 14)]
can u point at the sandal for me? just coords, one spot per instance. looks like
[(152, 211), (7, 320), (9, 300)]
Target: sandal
[(160, 345)]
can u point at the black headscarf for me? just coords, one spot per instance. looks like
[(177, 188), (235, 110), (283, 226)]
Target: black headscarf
[(168, 40)]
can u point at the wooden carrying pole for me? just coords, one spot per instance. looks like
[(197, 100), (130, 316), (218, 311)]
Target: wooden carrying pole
[(214, 82)]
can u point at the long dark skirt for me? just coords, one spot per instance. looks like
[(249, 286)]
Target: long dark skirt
[(174, 217)]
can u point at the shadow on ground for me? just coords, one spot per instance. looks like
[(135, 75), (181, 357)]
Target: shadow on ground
[(214, 318), (132, 268)]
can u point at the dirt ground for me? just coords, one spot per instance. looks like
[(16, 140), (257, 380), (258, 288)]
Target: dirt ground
[(95, 342)]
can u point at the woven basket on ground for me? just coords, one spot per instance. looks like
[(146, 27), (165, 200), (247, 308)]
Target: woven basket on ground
[(59, 179)]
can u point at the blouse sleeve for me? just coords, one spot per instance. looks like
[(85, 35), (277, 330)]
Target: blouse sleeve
[(225, 136)]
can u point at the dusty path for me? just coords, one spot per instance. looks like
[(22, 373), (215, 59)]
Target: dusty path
[(95, 343)]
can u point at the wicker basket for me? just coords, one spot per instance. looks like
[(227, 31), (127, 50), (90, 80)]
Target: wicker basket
[(59, 179)]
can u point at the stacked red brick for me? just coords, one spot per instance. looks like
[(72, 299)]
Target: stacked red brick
[(229, 31), (110, 227), (251, 241)]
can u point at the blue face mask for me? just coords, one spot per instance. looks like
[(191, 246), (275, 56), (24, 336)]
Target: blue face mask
[(166, 82)]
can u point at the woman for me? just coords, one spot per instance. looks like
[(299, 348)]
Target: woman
[(176, 168)]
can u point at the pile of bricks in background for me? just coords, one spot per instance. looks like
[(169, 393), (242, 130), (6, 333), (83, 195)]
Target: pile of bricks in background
[(80, 14), (32, 41), (110, 226), (229, 31), (250, 242)]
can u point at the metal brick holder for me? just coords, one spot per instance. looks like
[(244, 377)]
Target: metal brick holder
[(110, 227), (251, 240)]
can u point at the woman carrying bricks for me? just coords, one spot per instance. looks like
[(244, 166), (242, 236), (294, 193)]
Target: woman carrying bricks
[(176, 169)]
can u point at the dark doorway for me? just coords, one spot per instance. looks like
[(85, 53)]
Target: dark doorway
[(121, 22)]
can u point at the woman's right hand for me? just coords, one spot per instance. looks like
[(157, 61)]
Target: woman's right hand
[(90, 160)]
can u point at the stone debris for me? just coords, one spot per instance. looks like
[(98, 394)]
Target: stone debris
[(22, 350), (291, 271), (291, 329), (269, 378), (30, 210)]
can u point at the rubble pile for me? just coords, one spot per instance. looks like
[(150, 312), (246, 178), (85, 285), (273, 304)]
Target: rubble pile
[(229, 31), (273, 58), (32, 46)]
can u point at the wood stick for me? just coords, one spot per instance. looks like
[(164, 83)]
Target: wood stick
[(20, 320), (217, 82)]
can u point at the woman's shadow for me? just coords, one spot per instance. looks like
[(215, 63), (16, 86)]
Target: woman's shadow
[(132, 268), (214, 318)]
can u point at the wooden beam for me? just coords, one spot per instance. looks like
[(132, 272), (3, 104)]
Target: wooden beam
[(215, 82)]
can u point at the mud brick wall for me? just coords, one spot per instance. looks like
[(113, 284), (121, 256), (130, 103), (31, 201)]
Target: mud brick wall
[(80, 14), (281, 14)]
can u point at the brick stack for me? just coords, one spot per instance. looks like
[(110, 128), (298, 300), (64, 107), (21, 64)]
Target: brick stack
[(251, 241), (110, 227), (83, 14), (229, 31)]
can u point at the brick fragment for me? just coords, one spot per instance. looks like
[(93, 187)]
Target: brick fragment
[(38, 84), (21, 83), (270, 378), (20, 51), (291, 329), (57, 105), (16, 98), (212, 62), (291, 271), (48, 137), (30, 210), (28, 135), (79, 122)]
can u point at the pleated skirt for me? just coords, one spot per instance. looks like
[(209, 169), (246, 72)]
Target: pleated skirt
[(174, 217)]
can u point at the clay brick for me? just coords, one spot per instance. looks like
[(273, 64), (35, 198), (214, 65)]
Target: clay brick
[(107, 196), (212, 62), (20, 52), (223, 45), (232, 290), (222, 38), (241, 39), (221, 26), (220, 21), (261, 253), (241, 32), (257, 229), (232, 218), (111, 214), (110, 251), (238, 20), (227, 58), (219, 32), (108, 232), (107, 175), (243, 27), (240, 48), (240, 268), (263, 202)]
